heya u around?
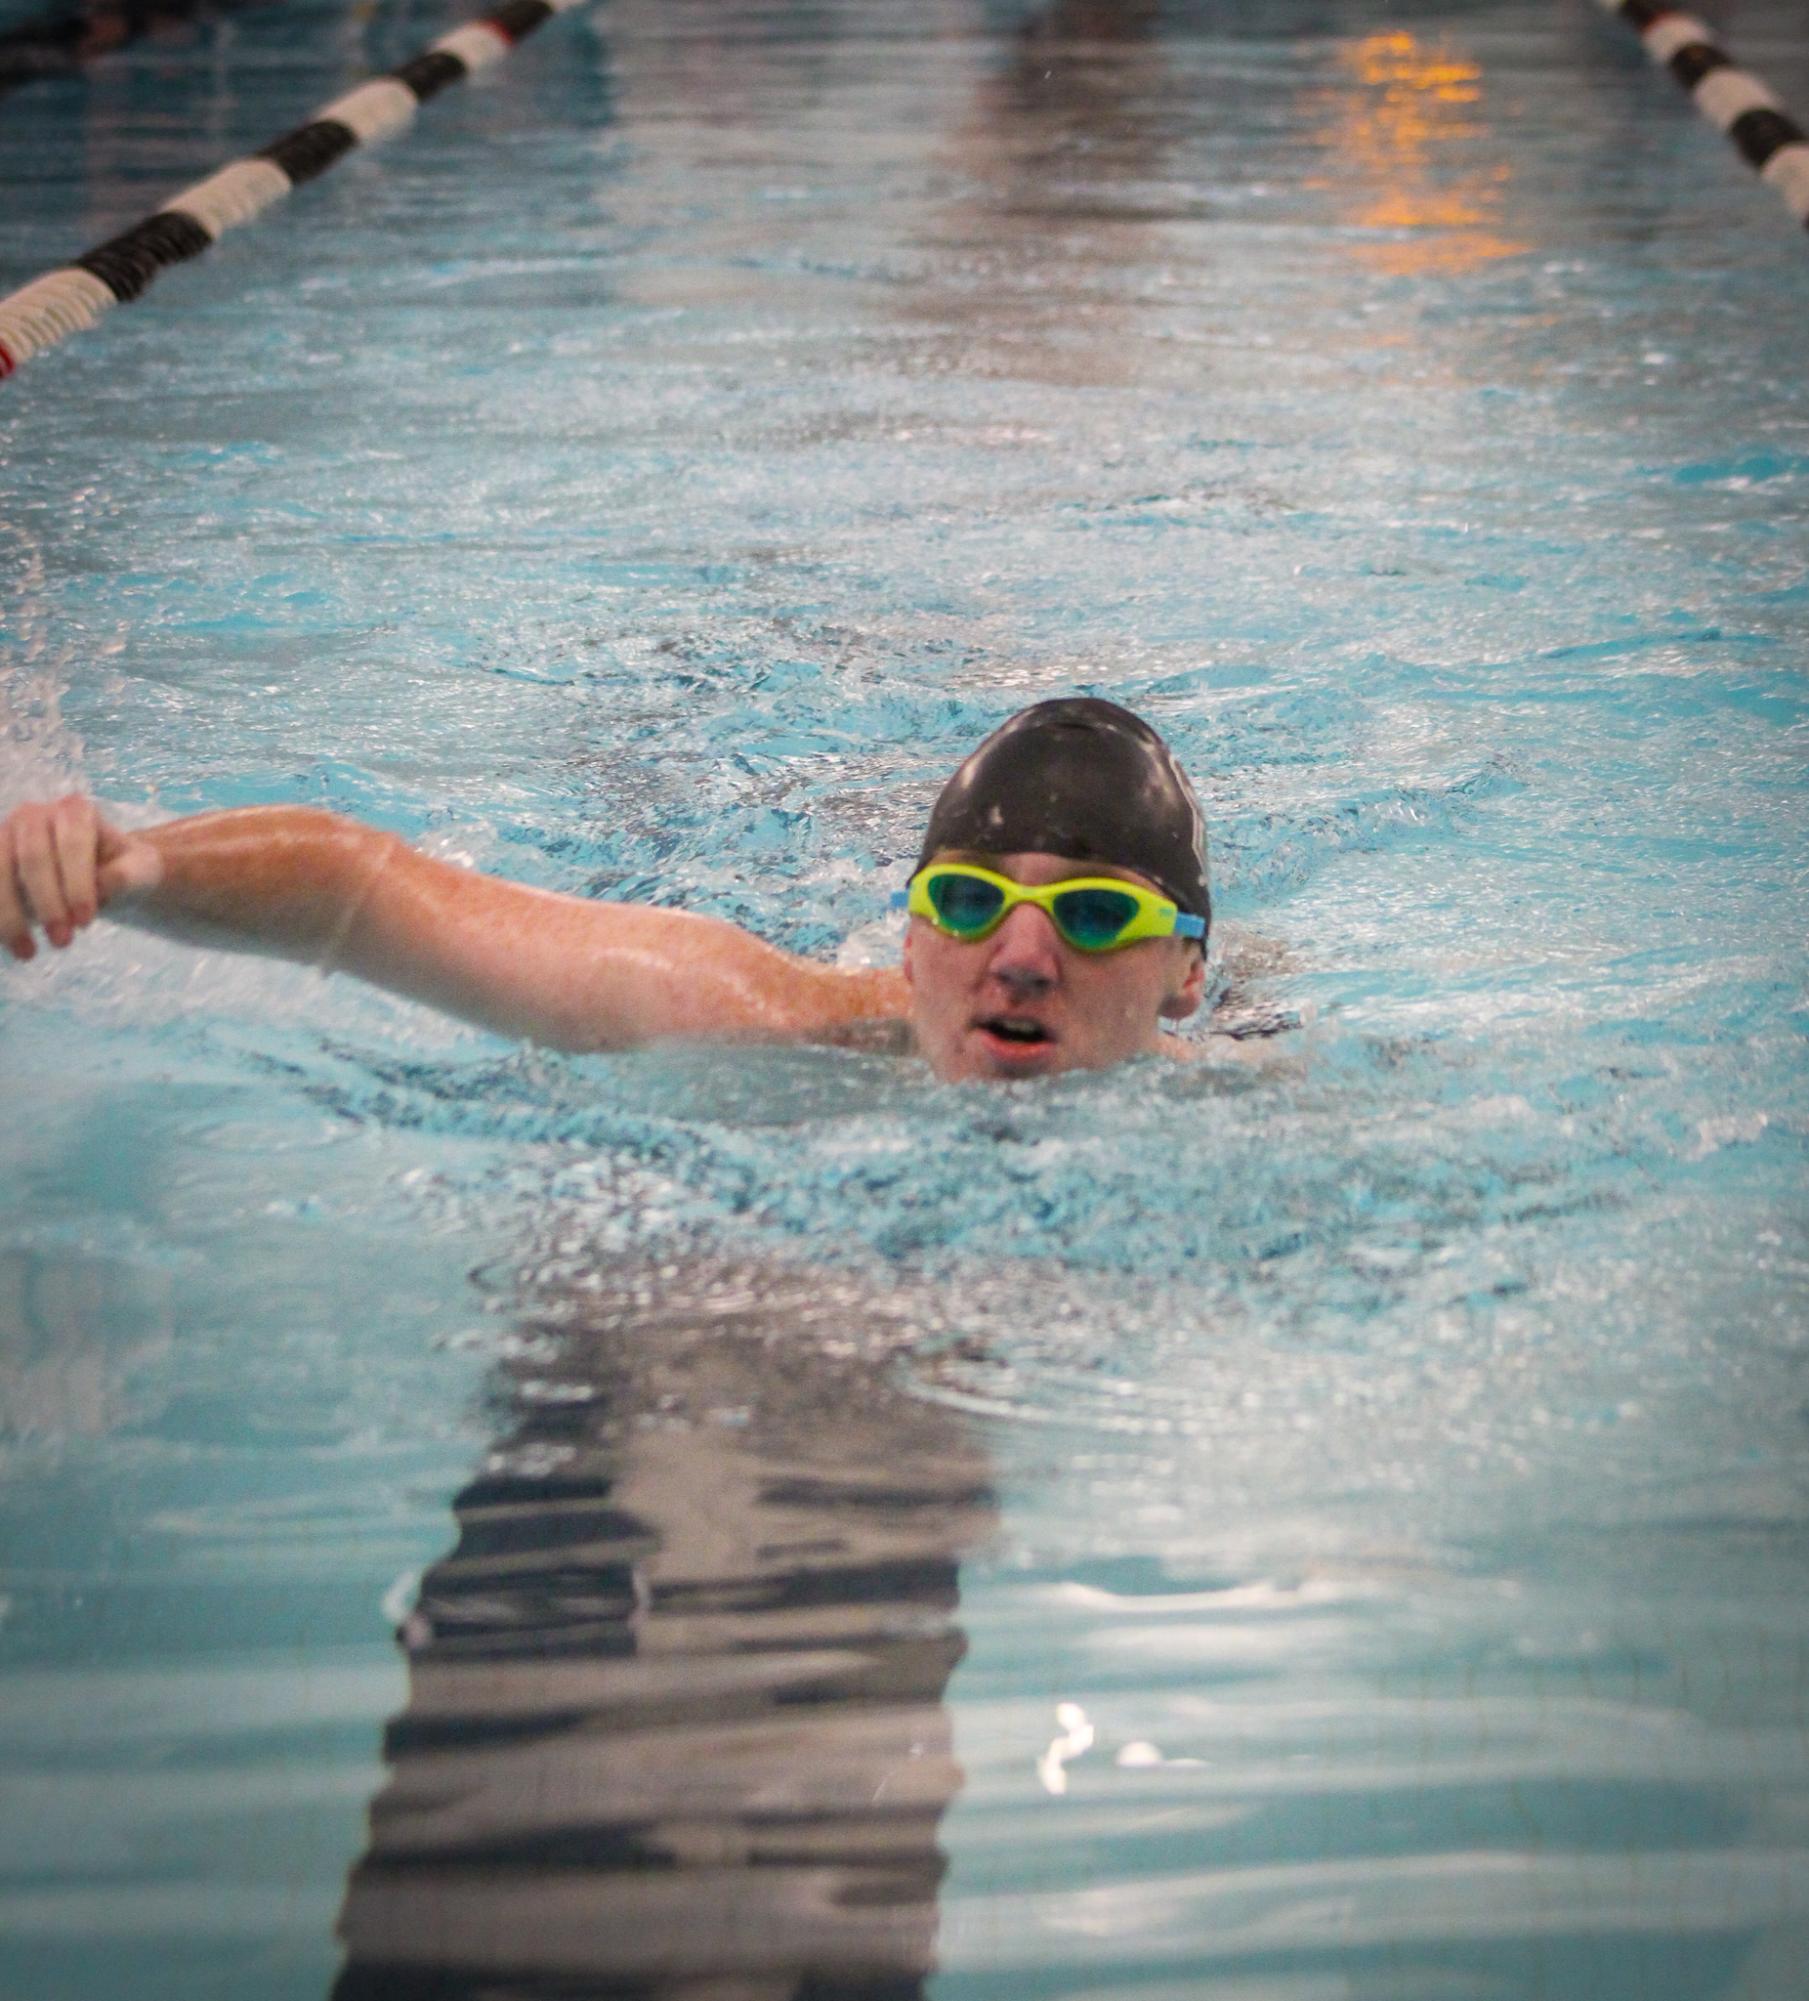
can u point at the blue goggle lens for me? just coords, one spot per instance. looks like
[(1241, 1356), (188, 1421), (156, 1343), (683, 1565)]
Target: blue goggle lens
[(1093, 918), (964, 903)]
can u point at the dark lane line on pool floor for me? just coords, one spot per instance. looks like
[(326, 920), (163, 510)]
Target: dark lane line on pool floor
[(1754, 118), (49, 309)]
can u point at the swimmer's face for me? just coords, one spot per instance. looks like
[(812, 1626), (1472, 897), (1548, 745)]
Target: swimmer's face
[(1023, 1002)]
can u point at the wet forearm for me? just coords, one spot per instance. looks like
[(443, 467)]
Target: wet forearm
[(285, 880)]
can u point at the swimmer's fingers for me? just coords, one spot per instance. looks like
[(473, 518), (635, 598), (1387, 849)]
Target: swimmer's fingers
[(48, 844), (75, 831), (30, 890)]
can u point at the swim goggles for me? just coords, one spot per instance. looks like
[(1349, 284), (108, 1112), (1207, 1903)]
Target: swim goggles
[(1093, 913)]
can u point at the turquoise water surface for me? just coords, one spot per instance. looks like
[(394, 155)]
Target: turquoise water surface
[(695, 1523)]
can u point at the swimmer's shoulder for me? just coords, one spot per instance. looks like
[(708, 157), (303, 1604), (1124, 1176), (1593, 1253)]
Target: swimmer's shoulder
[(849, 1007), (1231, 1051)]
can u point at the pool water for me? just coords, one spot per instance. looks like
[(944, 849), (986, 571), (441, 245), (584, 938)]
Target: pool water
[(765, 1524)]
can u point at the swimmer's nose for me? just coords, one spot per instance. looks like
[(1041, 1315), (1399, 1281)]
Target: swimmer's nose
[(1025, 951)]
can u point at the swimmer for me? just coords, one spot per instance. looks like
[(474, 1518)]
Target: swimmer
[(1058, 916)]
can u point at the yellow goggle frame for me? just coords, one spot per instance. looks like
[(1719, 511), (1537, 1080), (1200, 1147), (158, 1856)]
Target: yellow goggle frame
[(1093, 913)]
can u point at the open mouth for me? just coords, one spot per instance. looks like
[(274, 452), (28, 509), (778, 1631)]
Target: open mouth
[(1016, 1031)]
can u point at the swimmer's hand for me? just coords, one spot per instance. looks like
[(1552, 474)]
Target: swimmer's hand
[(60, 866)]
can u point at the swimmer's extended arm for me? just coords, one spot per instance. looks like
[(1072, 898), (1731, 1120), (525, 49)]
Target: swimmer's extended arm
[(326, 891)]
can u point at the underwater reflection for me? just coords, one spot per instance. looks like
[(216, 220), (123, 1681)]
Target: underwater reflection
[(60, 41), (1039, 266), (675, 1720)]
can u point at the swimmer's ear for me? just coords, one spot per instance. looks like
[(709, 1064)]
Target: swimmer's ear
[(1185, 996)]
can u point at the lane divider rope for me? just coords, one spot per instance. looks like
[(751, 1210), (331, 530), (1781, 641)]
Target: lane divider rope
[(64, 301), (1767, 138)]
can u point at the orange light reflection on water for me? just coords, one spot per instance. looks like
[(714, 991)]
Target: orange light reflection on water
[(1403, 136)]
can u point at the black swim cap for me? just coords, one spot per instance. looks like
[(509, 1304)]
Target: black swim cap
[(1083, 778)]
